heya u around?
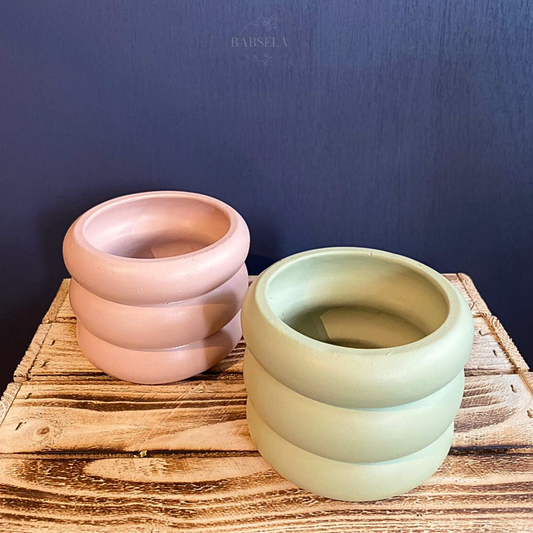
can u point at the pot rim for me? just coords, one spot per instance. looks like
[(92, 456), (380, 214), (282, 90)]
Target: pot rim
[(152, 281), (357, 377), (437, 280), (80, 225)]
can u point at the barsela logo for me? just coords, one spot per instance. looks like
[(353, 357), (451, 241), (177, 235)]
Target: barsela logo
[(260, 40)]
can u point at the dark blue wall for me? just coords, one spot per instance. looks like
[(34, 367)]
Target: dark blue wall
[(404, 125)]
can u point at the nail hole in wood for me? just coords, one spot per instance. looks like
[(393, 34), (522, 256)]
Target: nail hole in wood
[(513, 388), (530, 413)]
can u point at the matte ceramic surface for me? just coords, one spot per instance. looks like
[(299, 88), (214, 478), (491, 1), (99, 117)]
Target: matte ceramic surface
[(156, 247), (308, 321), (342, 480), (160, 326), (350, 434), (354, 370), (162, 366), (158, 282)]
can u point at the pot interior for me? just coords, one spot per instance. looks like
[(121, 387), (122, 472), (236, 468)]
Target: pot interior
[(357, 300), (153, 227)]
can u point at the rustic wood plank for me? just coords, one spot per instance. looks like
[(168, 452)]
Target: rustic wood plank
[(488, 356), (7, 399), (198, 469), (480, 310), (494, 413), (58, 303), (23, 369), (478, 304), (190, 415), (210, 415), (507, 344), (528, 382), (470, 493)]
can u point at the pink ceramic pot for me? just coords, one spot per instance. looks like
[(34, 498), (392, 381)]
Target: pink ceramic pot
[(156, 247), (158, 282), (157, 327), (160, 366)]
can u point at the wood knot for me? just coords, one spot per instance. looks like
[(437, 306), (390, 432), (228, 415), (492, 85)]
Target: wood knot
[(36, 430)]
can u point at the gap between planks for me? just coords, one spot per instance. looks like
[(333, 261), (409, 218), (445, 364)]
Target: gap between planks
[(165, 454)]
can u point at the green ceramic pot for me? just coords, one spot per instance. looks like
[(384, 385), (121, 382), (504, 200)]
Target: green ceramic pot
[(349, 434), (343, 480), (355, 356)]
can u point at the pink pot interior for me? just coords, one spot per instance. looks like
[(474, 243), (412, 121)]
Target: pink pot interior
[(156, 227)]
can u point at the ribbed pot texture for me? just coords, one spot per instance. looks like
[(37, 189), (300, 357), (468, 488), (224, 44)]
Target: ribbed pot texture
[(354, 370), (158, 280)]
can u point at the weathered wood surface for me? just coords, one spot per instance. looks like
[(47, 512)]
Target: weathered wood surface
[(471, 493), (81, 451)]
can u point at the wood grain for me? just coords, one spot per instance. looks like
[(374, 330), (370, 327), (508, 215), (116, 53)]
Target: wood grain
[(58, 302), (470, 293), (7, 399), (471, 493), (210, 415), (507, 344), (25, 366)]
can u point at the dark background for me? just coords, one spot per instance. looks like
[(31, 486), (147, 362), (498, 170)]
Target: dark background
[(402, 125)]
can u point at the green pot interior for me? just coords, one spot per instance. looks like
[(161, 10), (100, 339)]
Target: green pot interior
[(359, 300)]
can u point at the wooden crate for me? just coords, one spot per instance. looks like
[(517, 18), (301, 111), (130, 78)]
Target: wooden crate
[(81, 451)]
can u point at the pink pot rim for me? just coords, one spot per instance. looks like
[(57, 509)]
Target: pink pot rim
[(118, 278)]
